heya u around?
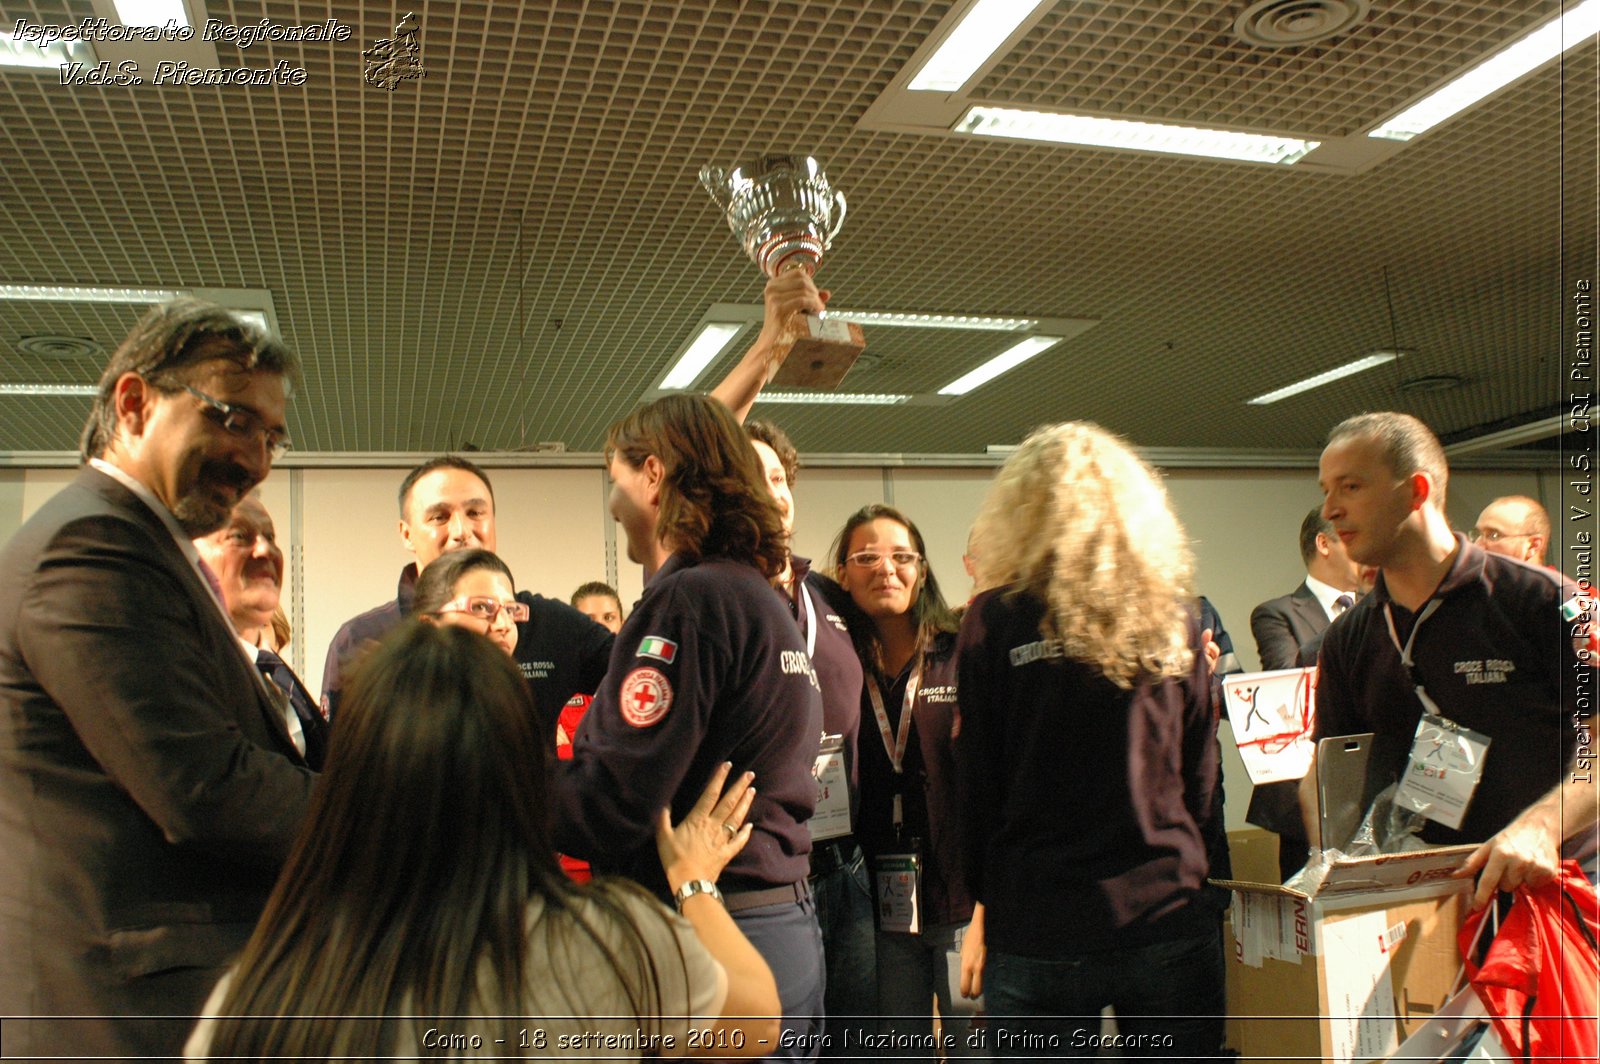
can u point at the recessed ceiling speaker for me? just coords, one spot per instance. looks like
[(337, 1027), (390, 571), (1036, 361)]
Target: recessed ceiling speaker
[(1293, 23), (60, 347)]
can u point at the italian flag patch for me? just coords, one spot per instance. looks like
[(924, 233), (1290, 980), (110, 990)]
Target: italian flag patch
[(1576, 606), (653, 646)]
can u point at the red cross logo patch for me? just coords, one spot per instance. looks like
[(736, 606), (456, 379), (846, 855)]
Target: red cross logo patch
[(646, 696)]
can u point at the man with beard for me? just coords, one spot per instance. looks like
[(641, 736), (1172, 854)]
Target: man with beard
[(149, 787), (248, 563)]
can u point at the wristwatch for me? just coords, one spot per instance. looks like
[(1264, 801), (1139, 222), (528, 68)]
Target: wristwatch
[(692, 887)]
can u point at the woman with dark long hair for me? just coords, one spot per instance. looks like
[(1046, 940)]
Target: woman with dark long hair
[(471, 589), (474, 589), (709, 667), (1088, 742), (423, 891), (909, 822)]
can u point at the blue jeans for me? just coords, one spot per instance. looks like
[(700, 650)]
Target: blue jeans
[(1168, 998), (913, 970), (844, 910), (787, 937)]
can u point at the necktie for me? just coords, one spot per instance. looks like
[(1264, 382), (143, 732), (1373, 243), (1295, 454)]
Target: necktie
[(1342, 603), (277, 670)]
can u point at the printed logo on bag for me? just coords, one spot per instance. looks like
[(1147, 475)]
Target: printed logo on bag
[(653, 646), (646, 696)]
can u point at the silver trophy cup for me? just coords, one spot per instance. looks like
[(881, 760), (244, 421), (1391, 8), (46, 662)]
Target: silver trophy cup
[(781, 208), (786, 214)]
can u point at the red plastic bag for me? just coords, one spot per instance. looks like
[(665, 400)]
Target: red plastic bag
[(1540, 979)]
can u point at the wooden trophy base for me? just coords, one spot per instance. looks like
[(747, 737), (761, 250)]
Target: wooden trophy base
[(817, 352)]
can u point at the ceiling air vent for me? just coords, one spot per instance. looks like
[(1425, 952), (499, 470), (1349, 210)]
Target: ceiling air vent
[(60, 347), (1293, 23), (1437, 382)]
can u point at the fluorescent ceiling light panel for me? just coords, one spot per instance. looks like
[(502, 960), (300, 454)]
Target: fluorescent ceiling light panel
[(835, 398), (48, 389), (1495, 73), (1136, 136), (25, 56), (54, 293), (151, 12), (254, 317), (714, 336), (1377, 358), (983, 29), (1007, 360), (977, 322)]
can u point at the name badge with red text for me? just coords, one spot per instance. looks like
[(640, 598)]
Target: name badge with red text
[(1443, 771), (899, 881)]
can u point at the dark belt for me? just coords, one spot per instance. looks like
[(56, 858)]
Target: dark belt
[(755, 899), (828, 857)]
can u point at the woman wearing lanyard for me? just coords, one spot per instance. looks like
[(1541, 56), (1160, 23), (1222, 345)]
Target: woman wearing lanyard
[(908, 822), (1087, 740)]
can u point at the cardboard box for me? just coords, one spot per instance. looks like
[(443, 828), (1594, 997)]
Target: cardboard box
[(1348, 973), (1345, 977)]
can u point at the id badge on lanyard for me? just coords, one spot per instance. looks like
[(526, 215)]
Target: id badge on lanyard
[(1446, 760), (831, 819), (898, 876)]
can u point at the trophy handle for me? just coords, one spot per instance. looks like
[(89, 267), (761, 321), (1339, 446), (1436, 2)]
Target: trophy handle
[(838, 222), (715, 181)]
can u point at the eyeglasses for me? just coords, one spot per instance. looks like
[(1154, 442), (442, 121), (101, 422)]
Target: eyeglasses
[(871, 559), (485, 608), (242, 422), (1494, 535)]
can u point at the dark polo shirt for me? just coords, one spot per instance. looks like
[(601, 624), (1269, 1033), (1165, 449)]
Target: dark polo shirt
[(1496, 655)]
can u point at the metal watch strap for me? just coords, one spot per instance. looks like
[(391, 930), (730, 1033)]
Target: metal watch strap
[(692, 887)]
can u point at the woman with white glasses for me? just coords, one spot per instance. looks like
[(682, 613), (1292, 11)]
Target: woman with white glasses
[(474, 589), (471, 589), (909, 823)]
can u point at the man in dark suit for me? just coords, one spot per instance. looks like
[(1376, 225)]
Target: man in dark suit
[(244, 555), (149, 789), (1283, 627), (1284, 624)]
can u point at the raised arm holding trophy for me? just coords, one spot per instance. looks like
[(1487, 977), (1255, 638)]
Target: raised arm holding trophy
[(786, 214)]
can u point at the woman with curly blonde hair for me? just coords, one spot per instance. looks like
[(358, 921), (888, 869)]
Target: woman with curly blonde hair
[(1086, 737)]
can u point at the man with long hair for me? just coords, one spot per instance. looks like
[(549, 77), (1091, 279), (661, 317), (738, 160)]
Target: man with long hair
[(149, 787), (708, 668)]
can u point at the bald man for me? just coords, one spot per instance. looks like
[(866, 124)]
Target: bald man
[(1515, 526)]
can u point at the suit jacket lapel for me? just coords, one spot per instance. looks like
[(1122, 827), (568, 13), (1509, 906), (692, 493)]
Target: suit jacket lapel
[(172, 556), (1309, 611)]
